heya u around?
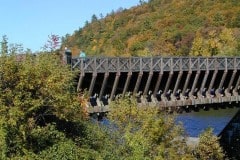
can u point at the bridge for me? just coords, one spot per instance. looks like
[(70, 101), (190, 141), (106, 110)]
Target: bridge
[(167, 82)]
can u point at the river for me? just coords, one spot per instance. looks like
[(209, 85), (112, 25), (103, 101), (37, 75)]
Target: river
[(196, 122)]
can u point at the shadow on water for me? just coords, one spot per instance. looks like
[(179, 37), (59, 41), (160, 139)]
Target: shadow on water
[(230, 137), (196, 122), (225, 123)]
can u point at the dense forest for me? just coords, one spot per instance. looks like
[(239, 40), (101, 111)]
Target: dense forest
[(162, 27)]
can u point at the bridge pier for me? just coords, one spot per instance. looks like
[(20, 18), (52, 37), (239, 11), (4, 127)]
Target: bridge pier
[(80, 81), (94, 76), (177, 82), (140, 74), (115, 86), (194, 89), (159, 79), (106, 75), (237, 84), (223, 79), (187, 81), (213, 80), (129, 76), (204, 80), (148, 83), (168, 83)]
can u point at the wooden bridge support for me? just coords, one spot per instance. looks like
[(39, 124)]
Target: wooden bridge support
[(186, 84), (195, 82), (160, 75), (94, 77), (80, 81), (213, 80), (177, 82), (115, 85), (223, 79), (168, 82), (106, 75), (231, 80), (237, 84), (140, 74), (159, 80), (129, 76), (148, 83), (204, 80)]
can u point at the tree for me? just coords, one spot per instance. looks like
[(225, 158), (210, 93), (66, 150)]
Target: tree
[(35, 96), (4, 45), (229, 43), (208, 147), (94, 18), (53, 43), (215, 43), (146, 132)]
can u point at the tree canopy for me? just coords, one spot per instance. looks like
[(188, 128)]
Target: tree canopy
[(42, 116), (160, 27)]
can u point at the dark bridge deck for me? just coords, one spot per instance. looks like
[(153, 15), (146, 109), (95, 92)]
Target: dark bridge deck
[(161, 81)]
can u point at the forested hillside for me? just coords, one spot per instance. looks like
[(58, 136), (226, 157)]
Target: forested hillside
[(162, 27)]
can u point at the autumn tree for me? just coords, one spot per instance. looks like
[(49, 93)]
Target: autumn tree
[(208, 147), (146, 133), (216, 43), (36, 94), (53, 43)]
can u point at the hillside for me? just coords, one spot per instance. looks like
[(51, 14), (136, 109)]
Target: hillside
[(162, 27)]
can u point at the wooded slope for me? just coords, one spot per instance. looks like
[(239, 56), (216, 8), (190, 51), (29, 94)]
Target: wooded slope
[(162, 27)]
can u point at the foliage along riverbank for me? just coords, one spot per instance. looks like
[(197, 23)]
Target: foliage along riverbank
[(43, 117)]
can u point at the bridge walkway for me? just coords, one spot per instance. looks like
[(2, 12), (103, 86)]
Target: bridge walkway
[(166, 82)]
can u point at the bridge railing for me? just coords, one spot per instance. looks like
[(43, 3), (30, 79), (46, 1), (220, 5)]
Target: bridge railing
[(138, 64)]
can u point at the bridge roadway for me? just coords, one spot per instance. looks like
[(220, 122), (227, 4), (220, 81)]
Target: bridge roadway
[(167, 82)]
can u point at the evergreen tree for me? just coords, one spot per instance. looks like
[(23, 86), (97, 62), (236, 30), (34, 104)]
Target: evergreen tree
[(4, 45)]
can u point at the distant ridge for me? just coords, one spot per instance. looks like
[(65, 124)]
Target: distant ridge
[(162, 27)]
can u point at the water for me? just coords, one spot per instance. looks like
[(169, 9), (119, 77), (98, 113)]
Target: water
[(196, 122)]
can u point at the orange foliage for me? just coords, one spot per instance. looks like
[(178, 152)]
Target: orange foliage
[(84, 104)]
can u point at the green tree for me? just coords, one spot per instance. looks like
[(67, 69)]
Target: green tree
[(146, 132), (208, 147), (94, 18), (35, 92), (228, 43), (4, 45)]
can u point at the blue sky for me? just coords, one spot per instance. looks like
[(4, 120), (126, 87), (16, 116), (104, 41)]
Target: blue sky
[(29, 22)]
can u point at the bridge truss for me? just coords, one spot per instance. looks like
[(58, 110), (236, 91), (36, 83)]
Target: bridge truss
[(162, 81)]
